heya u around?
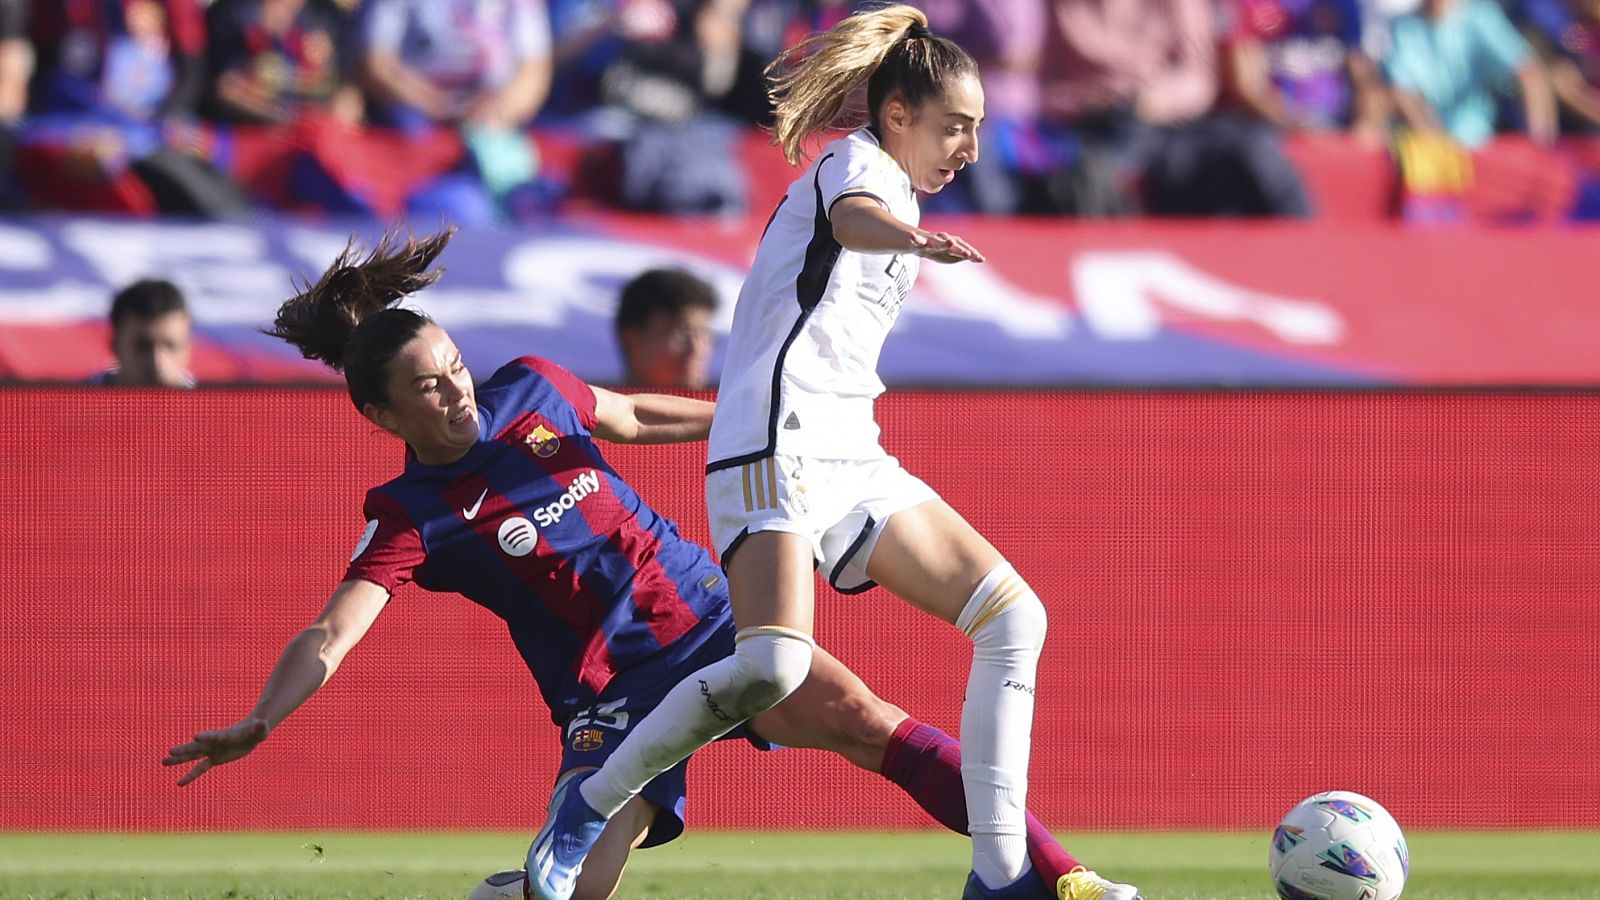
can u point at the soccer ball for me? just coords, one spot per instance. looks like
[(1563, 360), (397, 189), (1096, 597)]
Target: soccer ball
[(1338, 845)]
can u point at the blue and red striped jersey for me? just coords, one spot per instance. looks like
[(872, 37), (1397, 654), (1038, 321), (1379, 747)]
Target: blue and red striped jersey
[(533, 525)]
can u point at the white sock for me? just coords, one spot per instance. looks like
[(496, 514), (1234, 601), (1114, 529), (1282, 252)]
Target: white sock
[(768, 663), (1007, 624)]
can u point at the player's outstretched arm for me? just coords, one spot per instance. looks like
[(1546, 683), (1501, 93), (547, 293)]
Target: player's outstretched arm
[(309, 660), (651, 418), (863, 225)]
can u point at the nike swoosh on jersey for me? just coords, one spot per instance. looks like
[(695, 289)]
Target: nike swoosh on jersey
[(471, 513)]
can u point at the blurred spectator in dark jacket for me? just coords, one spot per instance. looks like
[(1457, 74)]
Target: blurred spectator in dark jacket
[(1566, 33), (588, 35), (1448, 62), (270, 61), (700, 65), (669, 142), (1299, 65)]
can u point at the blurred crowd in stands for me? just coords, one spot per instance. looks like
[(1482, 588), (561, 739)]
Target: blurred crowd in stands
[(492, 111)]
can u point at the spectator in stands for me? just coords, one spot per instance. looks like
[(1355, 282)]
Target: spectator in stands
[(1566, 34), (150, 335), (482, 66), (773, 26), (1446, 63), (674, 145), (588, 35), (1137, 81), (472, 63), (112, 106), (16, 67), (1028, 160), (272, 61), (1299, 65), (663, 327), (129, 61)]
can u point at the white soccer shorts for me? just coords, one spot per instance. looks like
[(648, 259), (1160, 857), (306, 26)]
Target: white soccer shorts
[(840, 506)]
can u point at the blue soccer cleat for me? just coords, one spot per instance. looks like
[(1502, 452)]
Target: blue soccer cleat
[(557, 854), (1027, 887)]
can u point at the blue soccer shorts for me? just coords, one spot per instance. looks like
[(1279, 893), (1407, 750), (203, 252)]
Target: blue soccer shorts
[(593, 734)]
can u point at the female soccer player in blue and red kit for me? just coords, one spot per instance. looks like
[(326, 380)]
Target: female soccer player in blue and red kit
[(505, 498)]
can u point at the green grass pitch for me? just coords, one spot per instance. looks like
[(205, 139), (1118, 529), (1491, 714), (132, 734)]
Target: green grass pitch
[(749, 865)]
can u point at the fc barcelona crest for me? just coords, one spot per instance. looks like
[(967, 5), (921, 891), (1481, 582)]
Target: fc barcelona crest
[(543, 441), (585, 739)]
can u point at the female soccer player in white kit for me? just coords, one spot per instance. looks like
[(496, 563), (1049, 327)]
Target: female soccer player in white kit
[(797, 478)]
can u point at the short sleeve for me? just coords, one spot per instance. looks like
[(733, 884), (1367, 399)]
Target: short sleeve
[(573, 389), (1503, 49), (390, 548), (530, 30), (857, 169)]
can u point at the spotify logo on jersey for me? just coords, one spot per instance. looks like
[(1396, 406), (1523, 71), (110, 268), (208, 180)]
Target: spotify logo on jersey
[(517, 536)]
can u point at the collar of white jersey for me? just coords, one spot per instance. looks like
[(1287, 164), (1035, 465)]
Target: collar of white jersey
[(869, 133)]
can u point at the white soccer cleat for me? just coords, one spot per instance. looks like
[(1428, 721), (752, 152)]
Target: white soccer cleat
[(1084, 884), (501, 886)]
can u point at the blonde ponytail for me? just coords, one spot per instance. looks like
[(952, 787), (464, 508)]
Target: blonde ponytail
[(812, 82)]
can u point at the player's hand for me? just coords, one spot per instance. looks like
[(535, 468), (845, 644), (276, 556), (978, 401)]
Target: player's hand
[(213, 748), (941, 246)]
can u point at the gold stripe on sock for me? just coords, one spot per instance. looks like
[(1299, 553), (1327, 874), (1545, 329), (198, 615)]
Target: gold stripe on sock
[(999, 600)]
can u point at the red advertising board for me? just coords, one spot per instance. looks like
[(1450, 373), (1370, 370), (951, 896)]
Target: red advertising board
[(1253, 596)]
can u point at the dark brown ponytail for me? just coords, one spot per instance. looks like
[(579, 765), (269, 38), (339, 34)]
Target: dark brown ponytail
[(346, 318)]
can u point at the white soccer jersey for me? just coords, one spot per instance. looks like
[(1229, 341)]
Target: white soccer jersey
[(800, 373)]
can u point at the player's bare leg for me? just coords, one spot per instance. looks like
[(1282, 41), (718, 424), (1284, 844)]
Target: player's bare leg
[(832, 710), (625, 831), (931, 557), (770, 581)]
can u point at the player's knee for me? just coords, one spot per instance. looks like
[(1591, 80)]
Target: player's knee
[(775, 662), (1005, 616)]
